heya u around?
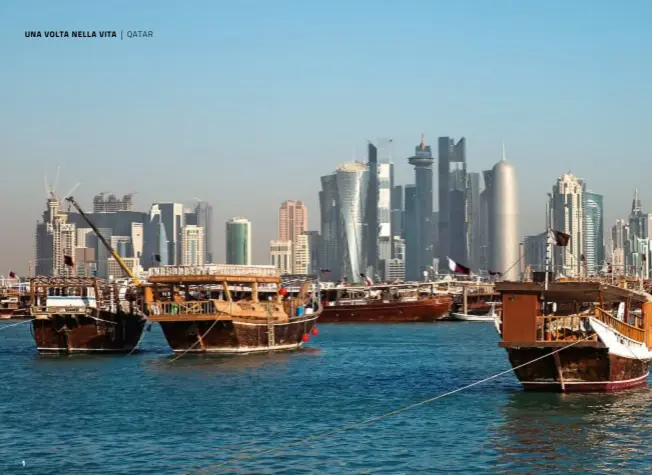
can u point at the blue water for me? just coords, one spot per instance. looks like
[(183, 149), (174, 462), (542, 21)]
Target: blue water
[(144, 414)]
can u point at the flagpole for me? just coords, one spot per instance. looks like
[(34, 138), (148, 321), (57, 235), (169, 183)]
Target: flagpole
[(548, 252)]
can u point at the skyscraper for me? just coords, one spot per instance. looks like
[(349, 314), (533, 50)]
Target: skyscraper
[(238, 241), (384, 207), (567, 216), (292, 223), (486, 225), (204, 218), (331, 226), (352, 181), (171, 215), (280, 255), (422, 162), (473, 219), (371, 218), (449, 153), (593, 231), (292, 220), (192, 245), (505, 253), (411, 233)]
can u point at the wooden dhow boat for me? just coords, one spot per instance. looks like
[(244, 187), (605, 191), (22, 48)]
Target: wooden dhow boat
[(84, 315), (74, 314), (230, 309), (389, 303), (597, 336)]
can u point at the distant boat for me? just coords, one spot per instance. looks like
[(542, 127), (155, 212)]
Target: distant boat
[(492, 316), (389, 303)]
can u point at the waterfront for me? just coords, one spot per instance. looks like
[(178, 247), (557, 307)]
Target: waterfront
[(144, 414)]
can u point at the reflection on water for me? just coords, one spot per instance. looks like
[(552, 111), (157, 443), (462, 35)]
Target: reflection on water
[(229, 363), (546, 431)]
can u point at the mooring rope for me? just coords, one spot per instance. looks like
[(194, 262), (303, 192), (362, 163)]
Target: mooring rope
[(199, 340), (142, 337), (16, 324), (388, 414)]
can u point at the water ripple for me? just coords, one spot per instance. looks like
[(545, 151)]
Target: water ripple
[(144, 414)]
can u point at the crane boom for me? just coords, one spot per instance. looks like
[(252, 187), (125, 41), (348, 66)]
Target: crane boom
[(115, 255)]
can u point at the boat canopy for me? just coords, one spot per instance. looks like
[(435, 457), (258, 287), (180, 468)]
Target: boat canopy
[(588, 291)]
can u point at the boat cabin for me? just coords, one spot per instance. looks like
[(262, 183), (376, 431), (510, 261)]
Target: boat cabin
[(203, 292), (561, 312), (358, 295), (70, 295)]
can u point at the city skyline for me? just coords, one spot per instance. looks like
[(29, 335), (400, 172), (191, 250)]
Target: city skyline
[(552, 100)]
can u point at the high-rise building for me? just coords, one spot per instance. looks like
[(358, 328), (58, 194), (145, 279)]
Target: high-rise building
[(486, 225), (315, 250), (637, 247), (619, 239), (292, 222), (504, 255), (371, 217), (238, 241), (450, 153), (193, 252), (171, 215), (397, 212), (331, 226), (411, 234), (55, 239), (280, 255), (112, 204), (422, 162), (534, 251), (155, 247), (384, 205), (593, 231), (202, 216), (352, 181), (301, 254), (473, 226), (567, 216)]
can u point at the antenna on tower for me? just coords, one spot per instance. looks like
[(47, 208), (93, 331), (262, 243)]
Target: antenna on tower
[(504, 154)]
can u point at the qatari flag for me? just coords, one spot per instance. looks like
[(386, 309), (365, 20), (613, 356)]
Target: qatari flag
[(67, 260), (559, 238), (458, 268), (12, 275)]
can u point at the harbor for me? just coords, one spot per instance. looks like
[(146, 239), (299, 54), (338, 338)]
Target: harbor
[(349, 373)]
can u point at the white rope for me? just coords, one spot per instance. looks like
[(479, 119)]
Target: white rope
[(16, 324), (392, 413)]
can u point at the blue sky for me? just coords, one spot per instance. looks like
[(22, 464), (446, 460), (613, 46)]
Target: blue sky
[(248, 103)]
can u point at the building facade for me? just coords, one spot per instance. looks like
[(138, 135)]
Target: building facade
[(567, 216), (238, 241), (280, 255), (193, 251)]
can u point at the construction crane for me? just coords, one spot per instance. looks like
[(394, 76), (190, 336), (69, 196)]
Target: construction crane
[(115, 255)]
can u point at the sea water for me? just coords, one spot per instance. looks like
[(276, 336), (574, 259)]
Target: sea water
[(147, 414)]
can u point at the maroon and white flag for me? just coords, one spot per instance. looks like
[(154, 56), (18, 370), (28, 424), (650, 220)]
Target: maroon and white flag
[(458, 268), (558, 238)]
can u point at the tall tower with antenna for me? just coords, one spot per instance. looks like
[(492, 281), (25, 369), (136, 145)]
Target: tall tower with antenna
[(423, 248)]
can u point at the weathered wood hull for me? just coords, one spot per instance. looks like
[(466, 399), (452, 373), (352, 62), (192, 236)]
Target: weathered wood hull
[(583, 368), (82, 334), (233, 336), (426, 310)]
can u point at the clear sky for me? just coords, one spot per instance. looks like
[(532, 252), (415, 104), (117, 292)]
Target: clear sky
[(247, 103)]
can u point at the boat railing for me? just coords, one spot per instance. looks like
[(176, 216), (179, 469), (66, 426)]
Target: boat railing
[(625, 329), (562, 328), (194, 307), (59, 310), (206, 307), (216, 269)]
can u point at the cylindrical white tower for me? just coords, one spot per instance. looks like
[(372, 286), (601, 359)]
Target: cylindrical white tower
[(504, 250)]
